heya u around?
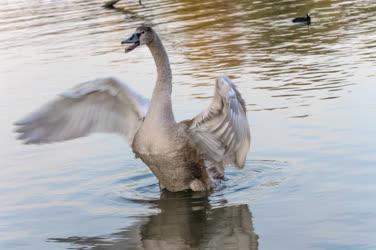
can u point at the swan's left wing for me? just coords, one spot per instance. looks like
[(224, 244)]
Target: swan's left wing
[(105, 105), (222, 132)]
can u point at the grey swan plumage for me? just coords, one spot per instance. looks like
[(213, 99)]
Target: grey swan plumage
[(183, 155)]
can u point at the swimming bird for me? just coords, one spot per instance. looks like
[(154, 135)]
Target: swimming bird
[(111, 4), (306, 19), (190, 154)]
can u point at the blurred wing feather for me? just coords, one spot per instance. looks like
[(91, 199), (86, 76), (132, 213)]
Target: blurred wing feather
[(222, 132), (103, 105)]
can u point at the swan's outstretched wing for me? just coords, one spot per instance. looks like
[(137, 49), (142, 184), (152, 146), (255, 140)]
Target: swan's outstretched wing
[(102, 105), (222, 132)]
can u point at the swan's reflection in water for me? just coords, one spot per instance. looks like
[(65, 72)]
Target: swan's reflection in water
[(185, 221)]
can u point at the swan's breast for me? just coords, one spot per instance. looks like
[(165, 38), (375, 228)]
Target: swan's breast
[(173, 159)]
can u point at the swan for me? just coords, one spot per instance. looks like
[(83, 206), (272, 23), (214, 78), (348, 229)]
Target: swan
[(190, 154)]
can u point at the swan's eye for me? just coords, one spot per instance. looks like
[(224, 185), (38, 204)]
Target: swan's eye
[(142, 32)]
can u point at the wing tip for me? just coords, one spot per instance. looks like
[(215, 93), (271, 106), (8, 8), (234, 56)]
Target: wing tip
[(22, 121), (28, 135), (224, 78)]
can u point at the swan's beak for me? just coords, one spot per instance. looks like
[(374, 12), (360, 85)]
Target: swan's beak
[(134, 40)]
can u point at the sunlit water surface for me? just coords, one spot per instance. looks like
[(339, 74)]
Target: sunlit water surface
[(309, 181)]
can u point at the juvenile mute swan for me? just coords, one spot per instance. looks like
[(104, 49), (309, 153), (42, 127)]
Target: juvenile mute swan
[(187, 155)]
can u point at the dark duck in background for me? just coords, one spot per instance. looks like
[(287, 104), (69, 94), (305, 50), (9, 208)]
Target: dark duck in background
[(305, 20)]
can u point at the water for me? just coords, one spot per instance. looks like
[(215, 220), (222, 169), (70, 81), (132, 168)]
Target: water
[(309, 179)]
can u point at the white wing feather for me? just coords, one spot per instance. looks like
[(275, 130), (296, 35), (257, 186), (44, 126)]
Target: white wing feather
[(103, 105), (222, 132)]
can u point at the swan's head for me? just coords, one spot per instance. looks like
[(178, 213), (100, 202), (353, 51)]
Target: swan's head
[(143, 35)]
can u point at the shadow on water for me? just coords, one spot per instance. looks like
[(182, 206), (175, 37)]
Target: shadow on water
[(186, 221)]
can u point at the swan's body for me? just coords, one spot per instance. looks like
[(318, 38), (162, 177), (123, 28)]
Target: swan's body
[(186, 155)]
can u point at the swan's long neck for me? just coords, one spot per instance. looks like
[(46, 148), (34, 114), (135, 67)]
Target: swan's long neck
[(160, 106), (163, 65)]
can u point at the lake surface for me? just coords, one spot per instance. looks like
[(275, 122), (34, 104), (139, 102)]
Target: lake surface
[(309, 181)]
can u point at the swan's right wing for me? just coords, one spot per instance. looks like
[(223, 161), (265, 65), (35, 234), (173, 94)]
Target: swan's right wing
[(222, 132), (104, 105)]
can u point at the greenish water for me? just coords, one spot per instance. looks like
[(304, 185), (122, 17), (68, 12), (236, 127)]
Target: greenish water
[(309, 181)]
